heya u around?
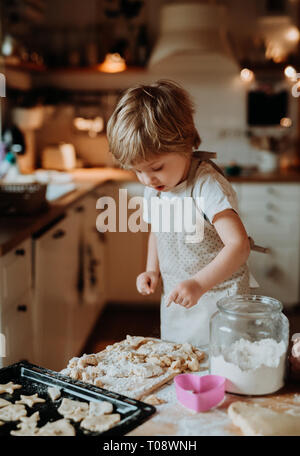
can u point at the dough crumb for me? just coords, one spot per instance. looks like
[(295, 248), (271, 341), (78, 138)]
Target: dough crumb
[(154, 400)]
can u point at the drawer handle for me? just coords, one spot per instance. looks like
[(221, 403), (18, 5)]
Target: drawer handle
[(20, 252), (271, 190), (79, 209), (270, 206), (270, 219), (22, 308), (59, 234)]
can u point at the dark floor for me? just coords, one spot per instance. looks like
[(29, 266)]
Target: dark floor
[(117, 321)]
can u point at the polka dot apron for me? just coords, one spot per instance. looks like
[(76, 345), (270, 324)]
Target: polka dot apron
[(179, 260)]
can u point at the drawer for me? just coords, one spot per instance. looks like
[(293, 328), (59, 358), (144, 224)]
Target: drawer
[(277, 273), (271, 229), (16, 272), (273, 192), (273, 207)]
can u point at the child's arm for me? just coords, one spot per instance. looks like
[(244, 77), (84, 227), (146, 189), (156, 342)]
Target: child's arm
[(147, 281), (235, 252)]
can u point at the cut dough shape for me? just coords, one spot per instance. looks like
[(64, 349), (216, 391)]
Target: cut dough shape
[(100, 423), (30, 400), (28, 425), (255, 420), (1, 423), (12, 412), (9, 387), (153, 400), (74, 410), (100, 408), (54, 392), (57, 428), (4, 403)]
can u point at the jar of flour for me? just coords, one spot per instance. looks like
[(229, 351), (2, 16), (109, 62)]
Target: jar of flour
[(249, 338)]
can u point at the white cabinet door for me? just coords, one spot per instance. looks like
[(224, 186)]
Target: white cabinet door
[(56, 296), (17, 329), (277, 273), (15, 273)]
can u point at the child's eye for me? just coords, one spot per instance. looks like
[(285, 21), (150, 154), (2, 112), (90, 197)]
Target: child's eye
[(158, 169)]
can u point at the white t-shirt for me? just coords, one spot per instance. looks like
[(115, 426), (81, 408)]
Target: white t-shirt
[(215, 191)]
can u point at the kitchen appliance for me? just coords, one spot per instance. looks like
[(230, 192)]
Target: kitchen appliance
[(193, 49), (36, 379), (60, 156)]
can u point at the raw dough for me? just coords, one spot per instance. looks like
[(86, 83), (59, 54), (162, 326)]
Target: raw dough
[(56, 428), (28, 425), (4, 403), (12, 412), (153, 400), (100, 408), (9, 387), (30, 400), (255, 420), (100, 423), (74, 410), (54, 392)]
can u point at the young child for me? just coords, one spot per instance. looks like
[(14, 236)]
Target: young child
[(152, 132)]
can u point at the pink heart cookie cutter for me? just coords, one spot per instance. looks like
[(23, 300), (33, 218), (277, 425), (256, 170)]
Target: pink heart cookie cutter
[(199, 393)]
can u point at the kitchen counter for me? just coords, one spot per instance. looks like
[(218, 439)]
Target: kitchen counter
[(15, 229), (173, 419)]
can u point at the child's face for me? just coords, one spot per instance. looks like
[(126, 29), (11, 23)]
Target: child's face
[(163, 172)]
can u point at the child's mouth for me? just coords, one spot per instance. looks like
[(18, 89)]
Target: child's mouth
[(160, 187)]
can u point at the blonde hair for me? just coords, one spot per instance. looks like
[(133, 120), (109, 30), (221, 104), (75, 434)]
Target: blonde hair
[(150, 120)]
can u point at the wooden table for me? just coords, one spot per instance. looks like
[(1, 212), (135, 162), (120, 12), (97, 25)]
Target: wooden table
[(173, 419)]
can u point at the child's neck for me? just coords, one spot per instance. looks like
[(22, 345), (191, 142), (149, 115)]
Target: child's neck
[(186, 170)]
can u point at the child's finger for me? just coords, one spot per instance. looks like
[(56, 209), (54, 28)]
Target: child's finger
[(172, 298)]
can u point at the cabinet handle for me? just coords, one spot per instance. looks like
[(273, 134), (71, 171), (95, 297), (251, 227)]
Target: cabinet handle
[(270, 219), (79, 209), (270, 206), (59, 234), (20, 252), (271, 190), (22, 308)]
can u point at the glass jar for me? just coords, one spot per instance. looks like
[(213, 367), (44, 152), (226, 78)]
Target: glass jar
[(249, 338)]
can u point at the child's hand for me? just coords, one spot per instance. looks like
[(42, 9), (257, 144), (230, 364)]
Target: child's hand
[(186, 293), (146, 282)]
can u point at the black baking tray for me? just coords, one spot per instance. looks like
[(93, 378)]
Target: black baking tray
[(35, 379)]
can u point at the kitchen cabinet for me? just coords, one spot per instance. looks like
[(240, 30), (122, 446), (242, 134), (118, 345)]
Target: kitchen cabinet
[(127, 255), (16, 325), (271, 215), (55, 291), (91, 273)]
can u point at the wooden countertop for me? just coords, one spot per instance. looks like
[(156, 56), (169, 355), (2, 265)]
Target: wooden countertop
[(173, 419), (15, 229)]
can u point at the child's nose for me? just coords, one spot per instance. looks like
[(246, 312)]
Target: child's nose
[(147, 179)]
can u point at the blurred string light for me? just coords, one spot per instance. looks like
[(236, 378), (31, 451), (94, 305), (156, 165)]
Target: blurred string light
[(246, 75), (113, 63), (286, 122), (290, 72)]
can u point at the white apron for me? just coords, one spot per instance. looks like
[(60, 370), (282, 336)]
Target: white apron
[(179, 261)]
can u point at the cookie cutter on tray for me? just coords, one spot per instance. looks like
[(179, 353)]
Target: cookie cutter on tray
[(200, 393)]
